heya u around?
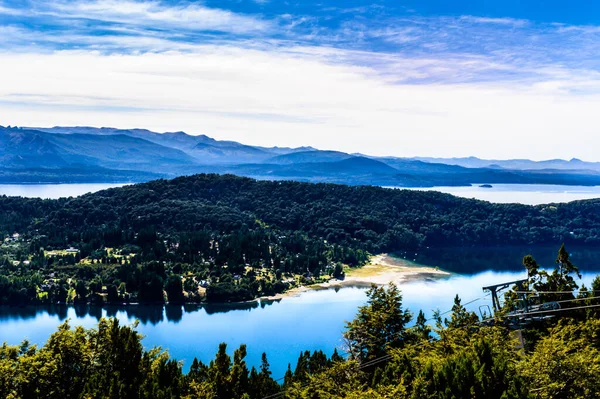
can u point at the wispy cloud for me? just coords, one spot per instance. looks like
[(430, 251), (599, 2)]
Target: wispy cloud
[(495, 21), (406, 79), (403, 49), (586, 29), (189, 16), (9, 11), (298, 98), (151, 14)]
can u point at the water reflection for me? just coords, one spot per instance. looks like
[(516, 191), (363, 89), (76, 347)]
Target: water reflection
[(472, 261), (313, 320), (146, 314)]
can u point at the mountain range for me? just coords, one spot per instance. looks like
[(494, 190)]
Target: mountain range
[(88, 154)]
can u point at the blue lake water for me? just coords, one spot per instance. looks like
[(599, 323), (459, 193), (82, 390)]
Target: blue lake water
[(314, 320), (53, 191), (529, 194)]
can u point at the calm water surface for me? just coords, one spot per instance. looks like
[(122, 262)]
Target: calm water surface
[(53, 191), (314, 320), (529, 194)]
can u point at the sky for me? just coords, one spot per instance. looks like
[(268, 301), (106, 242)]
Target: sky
[(487, 78)]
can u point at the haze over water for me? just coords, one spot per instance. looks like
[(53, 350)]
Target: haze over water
[(528, 194), (54, 191)]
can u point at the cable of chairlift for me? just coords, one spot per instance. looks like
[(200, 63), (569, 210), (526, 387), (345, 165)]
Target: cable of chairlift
[(554, 292), (377, 360), (576, 299), (548, 311), (388, 356)]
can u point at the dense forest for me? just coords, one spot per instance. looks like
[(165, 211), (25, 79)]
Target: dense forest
[(225, 238), (509, 356)]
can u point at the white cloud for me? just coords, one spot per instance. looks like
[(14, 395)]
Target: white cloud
[(150, 14), (294, 98), (495, 21), (9, 11), (448, 86), (586, 29)]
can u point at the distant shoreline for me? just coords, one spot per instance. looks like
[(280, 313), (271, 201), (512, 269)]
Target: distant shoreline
[(54, 183)]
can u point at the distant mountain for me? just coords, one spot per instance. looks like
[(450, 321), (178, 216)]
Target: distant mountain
[(25, 148), (79, 174), (410, 166), (285, 150), (360, 164), (204, 149), (311, 156), (226, 152), (46, 154), (519, 164)]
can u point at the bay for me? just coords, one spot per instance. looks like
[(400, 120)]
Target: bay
[(313, 320), (54, 191), (528, 194)]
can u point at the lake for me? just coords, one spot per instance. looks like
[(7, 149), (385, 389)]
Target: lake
[(531, 194), (314, 320), (54, 191)]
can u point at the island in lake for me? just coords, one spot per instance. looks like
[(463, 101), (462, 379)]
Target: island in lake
[(221, 238)]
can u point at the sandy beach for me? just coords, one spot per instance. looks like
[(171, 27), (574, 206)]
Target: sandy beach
[(384, 269), (381, 270)]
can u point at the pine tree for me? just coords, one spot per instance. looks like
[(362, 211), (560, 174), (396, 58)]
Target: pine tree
[(379, 325)]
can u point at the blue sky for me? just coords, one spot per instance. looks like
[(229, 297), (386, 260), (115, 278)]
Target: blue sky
[(439, 78)]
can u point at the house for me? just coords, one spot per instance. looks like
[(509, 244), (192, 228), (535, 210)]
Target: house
[(204, 283)]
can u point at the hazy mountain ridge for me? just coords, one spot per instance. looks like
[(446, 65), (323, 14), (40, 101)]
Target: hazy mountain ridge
[(520, 164), (44, 154), (204, 149), (312, 156), (26, 148)]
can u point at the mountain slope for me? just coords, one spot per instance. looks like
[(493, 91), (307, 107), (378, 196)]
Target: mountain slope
[(119, 152), (23, 148), (27, 148), (141, 151), (520, 164), (205, 149), (308, 157)]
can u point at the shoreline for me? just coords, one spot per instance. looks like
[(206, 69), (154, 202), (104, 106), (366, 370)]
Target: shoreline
[(381, 270)]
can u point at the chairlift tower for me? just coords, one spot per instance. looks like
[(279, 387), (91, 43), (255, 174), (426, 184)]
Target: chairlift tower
[(493, 289)]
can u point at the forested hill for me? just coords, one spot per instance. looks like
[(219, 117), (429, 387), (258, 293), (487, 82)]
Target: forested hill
[(369, 218), (226, 238)]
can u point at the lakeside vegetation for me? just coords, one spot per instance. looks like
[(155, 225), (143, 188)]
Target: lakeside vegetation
[(458, 357), (225, 238)]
